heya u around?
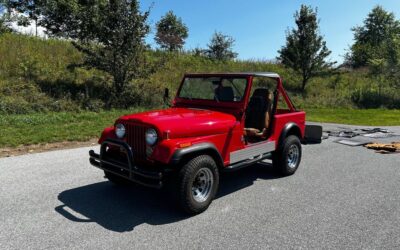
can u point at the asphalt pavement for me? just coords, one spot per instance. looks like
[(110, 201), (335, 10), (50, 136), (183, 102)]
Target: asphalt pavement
[(341, 197)]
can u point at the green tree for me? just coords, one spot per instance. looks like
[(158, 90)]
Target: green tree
[(373, 38), (199, 52), (5, 18), (220, 47), (305, 51), (110, 33), (4, 26), (171, 32), (75, 19), (386, 68), (27, 10)]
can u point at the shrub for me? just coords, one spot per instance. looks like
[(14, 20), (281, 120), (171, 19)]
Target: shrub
[(372, 98)]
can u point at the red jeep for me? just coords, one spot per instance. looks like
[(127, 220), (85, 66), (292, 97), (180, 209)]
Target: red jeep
[(217, 122)]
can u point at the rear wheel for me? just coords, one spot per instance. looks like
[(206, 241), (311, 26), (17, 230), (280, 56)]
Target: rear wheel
[(117, 180), (287, 158), (198, 183)]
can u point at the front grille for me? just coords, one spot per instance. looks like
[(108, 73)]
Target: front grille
[(135, 135)]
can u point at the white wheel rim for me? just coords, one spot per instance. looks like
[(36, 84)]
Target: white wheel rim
[(293, 156)]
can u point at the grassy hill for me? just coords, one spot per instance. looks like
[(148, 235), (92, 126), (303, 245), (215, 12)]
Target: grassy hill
[(42, 100), (34, 77)]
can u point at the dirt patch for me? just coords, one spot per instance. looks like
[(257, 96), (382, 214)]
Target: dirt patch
[(37, 148)]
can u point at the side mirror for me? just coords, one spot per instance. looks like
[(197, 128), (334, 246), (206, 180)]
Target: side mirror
[(166, 96)]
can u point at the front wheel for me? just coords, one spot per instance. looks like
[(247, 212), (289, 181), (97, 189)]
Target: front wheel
[(287, 158), (198, 184)]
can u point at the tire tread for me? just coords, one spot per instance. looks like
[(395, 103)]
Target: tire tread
[(279, 160), (185, 174)]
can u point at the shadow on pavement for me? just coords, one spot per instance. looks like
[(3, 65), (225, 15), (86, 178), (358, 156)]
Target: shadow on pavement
[(120, 209)]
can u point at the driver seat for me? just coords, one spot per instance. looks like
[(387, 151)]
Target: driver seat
[(257, 114)]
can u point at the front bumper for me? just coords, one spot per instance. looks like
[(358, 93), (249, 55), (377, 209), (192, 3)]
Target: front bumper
[(125, 168)]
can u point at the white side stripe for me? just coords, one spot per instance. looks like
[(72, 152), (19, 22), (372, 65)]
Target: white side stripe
[(252, 151)]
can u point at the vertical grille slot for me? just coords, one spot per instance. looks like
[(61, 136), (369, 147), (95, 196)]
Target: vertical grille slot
[(136, 139)]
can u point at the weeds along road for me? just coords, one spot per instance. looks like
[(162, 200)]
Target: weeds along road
[(341, 197)]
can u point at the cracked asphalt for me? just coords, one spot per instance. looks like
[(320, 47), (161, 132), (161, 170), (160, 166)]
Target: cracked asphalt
[(341, 197)]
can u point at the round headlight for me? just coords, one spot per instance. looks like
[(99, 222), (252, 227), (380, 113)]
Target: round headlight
[(120, 130), (151, 137)]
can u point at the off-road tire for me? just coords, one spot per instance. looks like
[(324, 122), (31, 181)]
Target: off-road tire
[(281, 159), (117, 180), (186, 179)]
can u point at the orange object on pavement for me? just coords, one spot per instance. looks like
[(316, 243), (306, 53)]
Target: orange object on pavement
[(384, 147)]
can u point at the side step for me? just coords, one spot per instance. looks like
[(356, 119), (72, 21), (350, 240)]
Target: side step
[(248, 162)]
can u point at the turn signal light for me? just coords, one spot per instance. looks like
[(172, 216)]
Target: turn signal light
[(185, 145)]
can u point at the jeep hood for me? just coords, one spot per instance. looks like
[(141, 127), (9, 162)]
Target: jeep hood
[(184, 122)]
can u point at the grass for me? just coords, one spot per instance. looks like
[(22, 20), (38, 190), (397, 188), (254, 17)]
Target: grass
[(16, 130), (39, 128), (370, 117)]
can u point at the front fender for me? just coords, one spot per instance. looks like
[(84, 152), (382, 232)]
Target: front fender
[(181, 153), (107, 133), (173, 151)]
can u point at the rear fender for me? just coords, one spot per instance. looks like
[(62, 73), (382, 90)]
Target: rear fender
[(290, 128)]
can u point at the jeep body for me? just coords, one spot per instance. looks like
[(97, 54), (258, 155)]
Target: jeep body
[(208, 128)]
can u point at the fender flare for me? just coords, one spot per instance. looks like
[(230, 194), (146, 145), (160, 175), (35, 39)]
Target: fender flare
[(181, 153), (290, 128)]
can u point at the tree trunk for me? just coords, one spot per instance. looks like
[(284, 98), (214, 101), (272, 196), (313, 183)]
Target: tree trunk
[(118, 89), (86, 91), (36, 28), (303, 83)]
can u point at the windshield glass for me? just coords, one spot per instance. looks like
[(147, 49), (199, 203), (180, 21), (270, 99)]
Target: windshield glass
[(221, 89)]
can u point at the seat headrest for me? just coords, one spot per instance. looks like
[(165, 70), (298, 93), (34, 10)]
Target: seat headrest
[(263, 92), (226, 94)]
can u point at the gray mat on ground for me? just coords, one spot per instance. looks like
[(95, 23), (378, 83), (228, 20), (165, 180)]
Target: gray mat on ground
[(380, 135), (352, 142)]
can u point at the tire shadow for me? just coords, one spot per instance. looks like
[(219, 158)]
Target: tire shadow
[(231, 182), (121, 209)]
